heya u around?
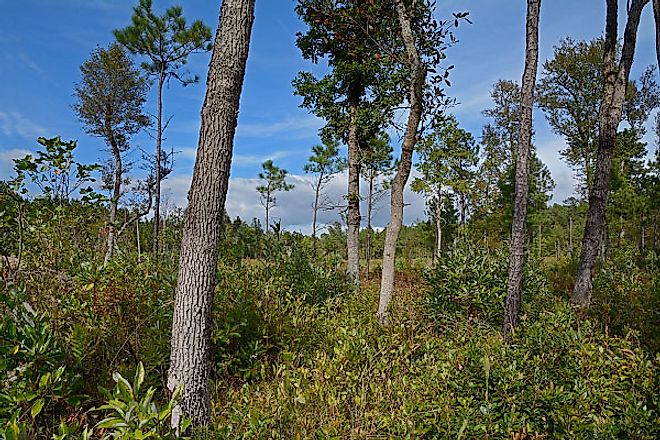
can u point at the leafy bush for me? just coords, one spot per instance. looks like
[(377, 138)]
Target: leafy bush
[(470, 283), (37, 386), (555, 380), (626, 296), (264, 307), (135, 416)]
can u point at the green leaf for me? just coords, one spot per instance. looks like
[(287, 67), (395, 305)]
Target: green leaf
[(44, 380), (123, 387), (139, 378), (111, 422), (36, 407)]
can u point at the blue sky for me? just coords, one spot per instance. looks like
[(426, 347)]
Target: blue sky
[(43, 43)]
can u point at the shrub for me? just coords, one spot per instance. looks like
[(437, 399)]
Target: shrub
[(470, 283), (626, 296), (37, 385), (132, 415), (265, 307), (555, 380)]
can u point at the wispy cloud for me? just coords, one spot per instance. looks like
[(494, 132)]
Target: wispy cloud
[(16, 124), (254, 159), (190, 153), (103, 5), (287, 128), (291, 127), (30, 63)]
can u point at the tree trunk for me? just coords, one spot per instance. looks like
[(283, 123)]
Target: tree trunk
[(655, 232), (517, 252), (370, 201), (267, 211), (417, 80), (540, 242), (570, 234), (353, 194), (463, 208), (191, 327), (157, 169), (137, 237), (317, 192), (438, 228), (656, 15), (615, 76), (116, 193)]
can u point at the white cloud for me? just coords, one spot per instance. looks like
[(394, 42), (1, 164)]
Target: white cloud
[(190, 153), (253, 159), (16, 124), (7, 161), (548, 151), (290, 127), (294, 208)]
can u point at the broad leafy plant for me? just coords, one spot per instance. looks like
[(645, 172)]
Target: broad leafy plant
[(135, 415)]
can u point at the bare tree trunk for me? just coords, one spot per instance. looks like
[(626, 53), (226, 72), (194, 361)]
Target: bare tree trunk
[(570, 234), (116, 193), (370, 197), (615, 75), (353, 195), (540, 243), (191, 327), (157, 169), (463, 207), (137, 237), (517, 255), (417, 80), (267, 209), (317, 192), (438, 228), (656, 15)]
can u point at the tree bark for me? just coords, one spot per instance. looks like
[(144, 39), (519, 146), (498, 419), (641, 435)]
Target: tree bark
[(157, 169), (137, 238), (655, 231), (656, 16), (540, 241), (267, 209), (615, 75), (570, 235), (116, 193), (517, 247), (191, 327), (353, 194), (417, 80), (463, 209), (370, 201), (438, 229), (317, 193)]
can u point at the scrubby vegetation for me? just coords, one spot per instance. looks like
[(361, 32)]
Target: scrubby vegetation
[(480, 322), (298, 351)]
